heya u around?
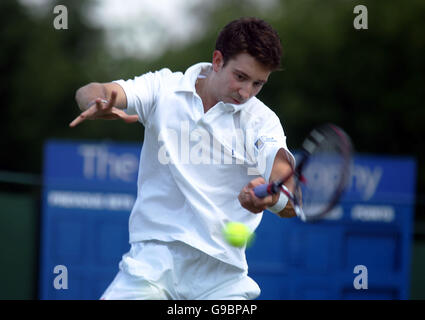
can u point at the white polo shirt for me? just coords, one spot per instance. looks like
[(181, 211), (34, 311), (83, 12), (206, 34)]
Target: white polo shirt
[(194, 164)]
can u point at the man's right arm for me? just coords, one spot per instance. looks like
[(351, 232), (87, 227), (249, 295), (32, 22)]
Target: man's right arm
[(85, 96)]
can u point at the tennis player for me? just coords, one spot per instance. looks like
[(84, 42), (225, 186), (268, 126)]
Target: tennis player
[(208, 142)]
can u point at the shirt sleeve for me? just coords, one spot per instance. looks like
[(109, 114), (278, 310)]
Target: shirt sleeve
[(269, 140), (142, 93)]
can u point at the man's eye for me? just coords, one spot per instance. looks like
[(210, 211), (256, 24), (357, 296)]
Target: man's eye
[(239, 77)]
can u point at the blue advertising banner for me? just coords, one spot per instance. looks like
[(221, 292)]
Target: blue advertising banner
[(89, 191), (362, 250)]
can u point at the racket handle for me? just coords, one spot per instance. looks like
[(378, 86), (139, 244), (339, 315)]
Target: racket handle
[(262, 190)]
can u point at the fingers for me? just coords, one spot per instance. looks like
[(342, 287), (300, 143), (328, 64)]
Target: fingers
[(83, 116), (113, 99), (104, 110), (256, 182), (90, 113), (101, 105), (261, 202), (124, 116), (75, 122), (131, 119), (250, 201)]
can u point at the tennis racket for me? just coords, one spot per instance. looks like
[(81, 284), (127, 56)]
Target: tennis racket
[(322, 172)]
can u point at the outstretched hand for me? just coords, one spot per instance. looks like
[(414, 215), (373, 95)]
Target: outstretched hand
[(105, 111)]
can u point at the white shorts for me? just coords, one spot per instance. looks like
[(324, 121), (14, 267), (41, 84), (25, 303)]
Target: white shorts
[(155, 270)]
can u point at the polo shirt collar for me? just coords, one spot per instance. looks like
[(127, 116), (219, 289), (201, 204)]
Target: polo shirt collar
[(187, 84)]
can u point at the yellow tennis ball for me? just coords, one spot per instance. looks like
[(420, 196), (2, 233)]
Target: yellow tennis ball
[(237, 234)]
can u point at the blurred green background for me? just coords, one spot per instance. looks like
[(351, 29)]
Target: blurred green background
[(370, 82)]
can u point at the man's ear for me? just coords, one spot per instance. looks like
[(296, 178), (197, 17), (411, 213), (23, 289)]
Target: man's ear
[(217, 61)]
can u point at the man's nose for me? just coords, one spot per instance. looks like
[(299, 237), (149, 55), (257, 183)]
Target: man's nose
[(245, 91)]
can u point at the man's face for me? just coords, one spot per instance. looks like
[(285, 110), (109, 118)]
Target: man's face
[(240, 79)]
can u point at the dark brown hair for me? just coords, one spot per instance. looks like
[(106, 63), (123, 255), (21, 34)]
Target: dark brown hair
[(253, 36)]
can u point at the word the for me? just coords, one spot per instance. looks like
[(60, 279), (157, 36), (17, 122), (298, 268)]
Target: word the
[(101, 164)]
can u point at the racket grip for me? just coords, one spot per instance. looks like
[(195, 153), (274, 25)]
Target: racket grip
[(262, 190)]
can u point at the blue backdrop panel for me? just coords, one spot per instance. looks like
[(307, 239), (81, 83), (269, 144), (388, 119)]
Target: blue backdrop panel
[(90, 188)]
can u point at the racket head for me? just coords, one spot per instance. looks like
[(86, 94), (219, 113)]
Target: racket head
[(323, 171)]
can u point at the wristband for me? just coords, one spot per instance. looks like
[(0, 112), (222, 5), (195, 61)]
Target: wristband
[(280, 204)]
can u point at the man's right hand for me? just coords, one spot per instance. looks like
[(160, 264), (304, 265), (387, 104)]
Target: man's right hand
[(251, 202), (105, 111)]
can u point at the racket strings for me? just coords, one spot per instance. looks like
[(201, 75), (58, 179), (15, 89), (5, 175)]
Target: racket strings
[(324, 174)]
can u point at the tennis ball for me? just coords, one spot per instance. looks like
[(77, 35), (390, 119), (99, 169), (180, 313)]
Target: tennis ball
[(237, 234)]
